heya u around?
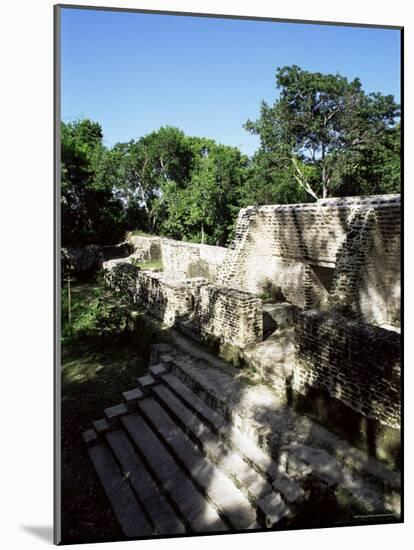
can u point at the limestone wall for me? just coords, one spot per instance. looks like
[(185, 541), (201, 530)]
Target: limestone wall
[(337, 260), (168, 299), (231, 316), (355, 363), (341, 253), (184, 259), (180, 259), (191, 304), (145, 248)]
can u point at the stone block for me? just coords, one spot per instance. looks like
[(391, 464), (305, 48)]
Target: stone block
[(145, 383), (101, 425), (158, 370), (131, 397), (112, 414), (90, 436), (271, 509)]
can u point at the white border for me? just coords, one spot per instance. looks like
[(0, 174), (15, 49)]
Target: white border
[(27, 266)]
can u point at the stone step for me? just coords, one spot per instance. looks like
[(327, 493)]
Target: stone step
[(196, 512), (157, 370), (158, 509), (272, 509), (258, 459), (278, 431), (179, 466), (208, 415), (101, 425), (131, 397), (252, 484), (145, 383), (124, 504), (90, 437), (216, 486), (112, 414)]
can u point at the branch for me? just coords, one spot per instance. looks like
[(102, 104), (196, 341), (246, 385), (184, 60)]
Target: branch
[(141, 189), (300, 178)]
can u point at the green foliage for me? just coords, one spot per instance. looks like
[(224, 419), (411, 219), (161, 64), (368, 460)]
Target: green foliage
[(378, 167), (91, 211), (269, 181), (142, 168), (204, 209), (95, 312), (328, 136), (323, 136)]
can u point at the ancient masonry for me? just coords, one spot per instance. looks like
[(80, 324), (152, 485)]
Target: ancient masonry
[(336, 263), (307, 299)]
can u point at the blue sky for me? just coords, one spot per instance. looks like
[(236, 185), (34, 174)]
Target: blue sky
[(135, 72)]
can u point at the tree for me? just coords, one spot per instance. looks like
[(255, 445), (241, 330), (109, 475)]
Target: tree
[(90, 209), (322, 128), (144, 167), (378, 167), (205, 207), (269, 181)]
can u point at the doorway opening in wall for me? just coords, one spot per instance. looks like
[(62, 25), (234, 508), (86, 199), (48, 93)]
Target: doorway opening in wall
[(324, 275)]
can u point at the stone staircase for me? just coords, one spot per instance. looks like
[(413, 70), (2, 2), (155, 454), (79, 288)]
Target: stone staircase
[(170, 464), (194, 449)]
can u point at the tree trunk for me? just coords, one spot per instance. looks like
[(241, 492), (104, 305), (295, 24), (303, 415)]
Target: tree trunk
[(302, 180), (324, 187), (202, 233)]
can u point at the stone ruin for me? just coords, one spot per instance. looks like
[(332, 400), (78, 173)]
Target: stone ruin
[(304, 305), (330, 271)]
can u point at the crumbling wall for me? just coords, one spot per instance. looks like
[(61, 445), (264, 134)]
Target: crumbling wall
[(354, 362), (167, 299), (179, 259), (192, 305), (366, 282), (145, 248), (191, 260), (356, 239), (231, 316), (337, 261)]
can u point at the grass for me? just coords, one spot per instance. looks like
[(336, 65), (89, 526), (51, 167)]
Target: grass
[(97, 366), (138, 233), (155, 265)]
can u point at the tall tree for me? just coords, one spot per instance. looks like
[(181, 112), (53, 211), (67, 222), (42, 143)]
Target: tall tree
[(91, 210), (322, 127), (205, 208), (144, 167), (269, 181)]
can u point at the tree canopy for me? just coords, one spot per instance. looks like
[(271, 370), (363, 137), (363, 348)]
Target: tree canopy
[(91, 210), (326, 131), (323, 136)]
